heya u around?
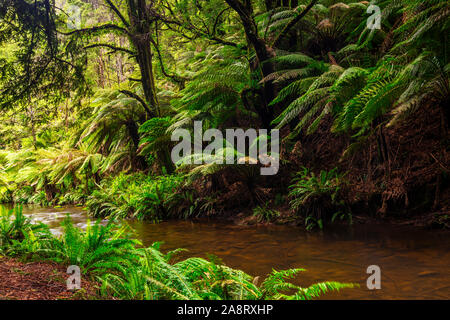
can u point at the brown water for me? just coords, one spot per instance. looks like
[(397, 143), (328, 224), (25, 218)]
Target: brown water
[(414, 263)]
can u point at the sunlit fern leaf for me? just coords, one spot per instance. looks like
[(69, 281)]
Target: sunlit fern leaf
[(276, 282), (300, 105), (378, 104), (377, 80), (292, 60), (348, 84), (285, 75), (293, 90), (317, 290)]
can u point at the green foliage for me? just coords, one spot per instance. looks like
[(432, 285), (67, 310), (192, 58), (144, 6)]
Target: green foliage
[(265, 214), (275, 287), (152, 203), (156, 277), (185, 204), (214, 94), (316, 197), (139, 196), (39, 63), (313, 104), (384, 71), (153, 130), (40, 176), (373, 100), (112, 129), (151, 198), (426, 21), (155, 138), (16, 230), (97, 249)]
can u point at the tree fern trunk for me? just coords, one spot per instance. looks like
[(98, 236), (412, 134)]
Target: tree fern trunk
[(166, 161)]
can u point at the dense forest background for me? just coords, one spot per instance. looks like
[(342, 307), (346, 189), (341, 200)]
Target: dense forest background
[(88, 103)]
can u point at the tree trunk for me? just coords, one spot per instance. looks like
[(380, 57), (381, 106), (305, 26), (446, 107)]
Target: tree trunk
[(166, 161), (140, 29), (133, 131), (263, 54)]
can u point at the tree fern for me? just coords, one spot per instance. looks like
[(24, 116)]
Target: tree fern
[(293, 90), (311, 102)]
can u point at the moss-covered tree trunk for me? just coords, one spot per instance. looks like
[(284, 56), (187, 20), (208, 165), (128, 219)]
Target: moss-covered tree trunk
[(140, 34), (263, 54)]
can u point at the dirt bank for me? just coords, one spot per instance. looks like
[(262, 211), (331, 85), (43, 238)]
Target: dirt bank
[(38, 281)]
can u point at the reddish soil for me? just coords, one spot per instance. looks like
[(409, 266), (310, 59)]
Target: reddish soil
[(38, 281)]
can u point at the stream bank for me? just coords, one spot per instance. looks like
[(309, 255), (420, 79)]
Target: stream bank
[(414, 262)]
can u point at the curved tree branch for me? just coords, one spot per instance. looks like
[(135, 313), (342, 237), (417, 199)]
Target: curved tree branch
[(217, 20), (110, 46), (108, 26), (178, 79), (141, 101), (197, 32)]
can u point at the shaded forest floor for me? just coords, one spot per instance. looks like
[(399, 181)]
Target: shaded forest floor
[(38, 281)]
